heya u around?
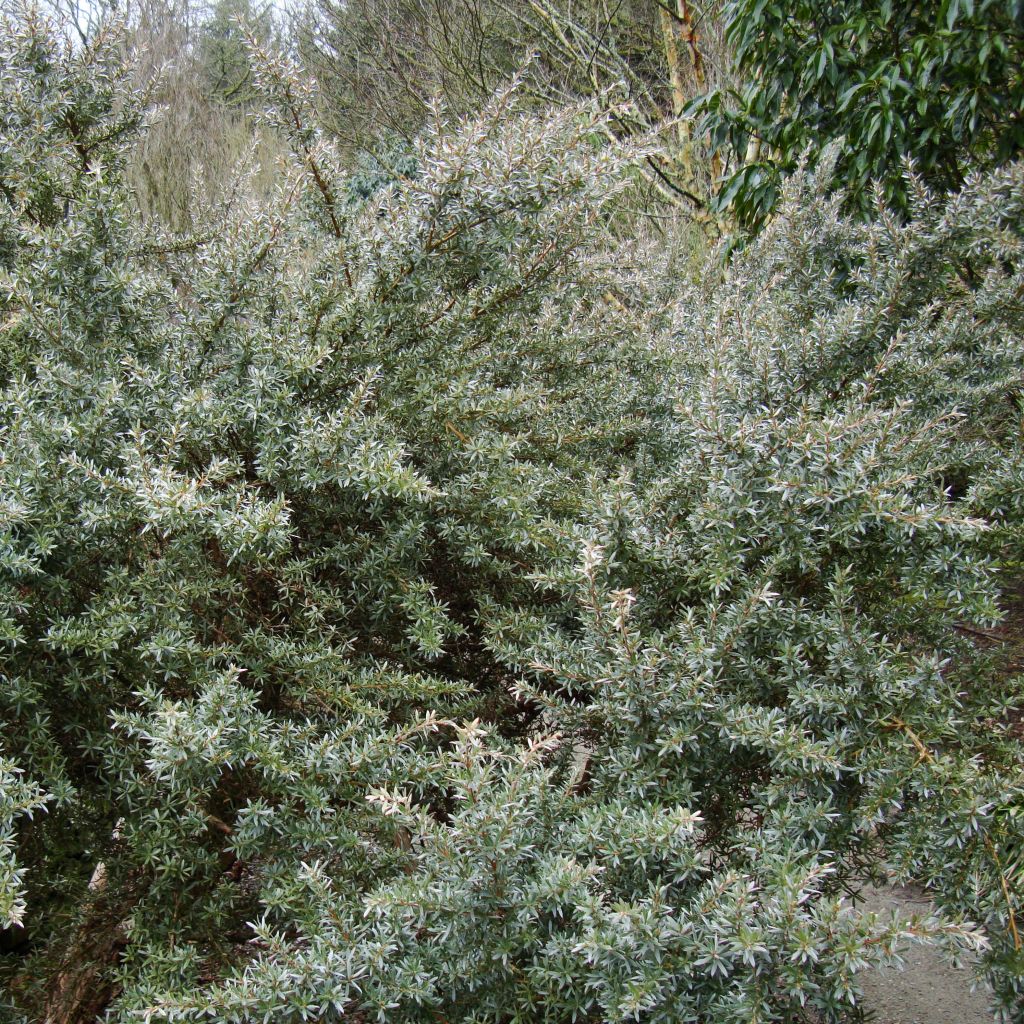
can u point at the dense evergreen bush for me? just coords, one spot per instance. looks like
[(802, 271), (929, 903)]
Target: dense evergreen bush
[(415, 608), (936, 83)]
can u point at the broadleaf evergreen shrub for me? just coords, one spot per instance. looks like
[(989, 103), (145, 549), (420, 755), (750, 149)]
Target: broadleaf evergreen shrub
[(938, 85), (417, 617)]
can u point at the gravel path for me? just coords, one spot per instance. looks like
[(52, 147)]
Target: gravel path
[(928, 990)]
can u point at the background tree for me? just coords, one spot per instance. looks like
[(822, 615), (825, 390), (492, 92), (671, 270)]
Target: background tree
[(381, 63), (938, 84), (191, 62), (223, 52)]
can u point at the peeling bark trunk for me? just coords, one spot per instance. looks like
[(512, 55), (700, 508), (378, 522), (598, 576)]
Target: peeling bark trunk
[(677, 30), (675, 73), (675, 77), (690, 37)]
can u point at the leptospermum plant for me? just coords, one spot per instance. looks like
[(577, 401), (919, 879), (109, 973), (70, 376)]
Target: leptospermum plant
[(410, 614)]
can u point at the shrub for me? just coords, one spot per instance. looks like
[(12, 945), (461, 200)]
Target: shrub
[(410, 616)]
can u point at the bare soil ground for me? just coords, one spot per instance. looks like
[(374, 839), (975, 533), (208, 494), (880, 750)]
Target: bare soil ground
[(928, 990)]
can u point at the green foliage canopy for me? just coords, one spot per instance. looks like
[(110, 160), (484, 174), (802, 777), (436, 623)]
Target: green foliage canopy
[(939, 84)]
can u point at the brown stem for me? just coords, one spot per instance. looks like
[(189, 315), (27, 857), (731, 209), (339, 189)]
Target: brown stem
[(82, 988)]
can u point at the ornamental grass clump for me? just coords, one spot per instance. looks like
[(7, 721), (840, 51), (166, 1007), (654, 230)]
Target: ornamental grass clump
[(409, 615)]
